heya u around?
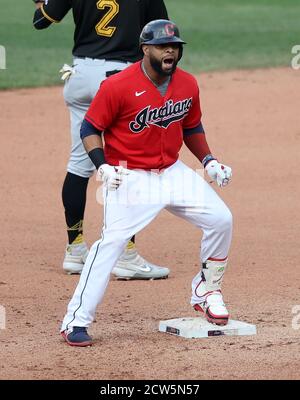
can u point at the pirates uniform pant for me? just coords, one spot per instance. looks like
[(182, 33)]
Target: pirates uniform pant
[(129, 209), (79, 91)]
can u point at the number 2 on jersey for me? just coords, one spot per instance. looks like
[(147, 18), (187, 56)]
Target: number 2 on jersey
[(102, 27)]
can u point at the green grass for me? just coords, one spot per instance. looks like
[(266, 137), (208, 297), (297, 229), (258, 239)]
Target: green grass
[(33, 58), (227, 34), (221, 34)]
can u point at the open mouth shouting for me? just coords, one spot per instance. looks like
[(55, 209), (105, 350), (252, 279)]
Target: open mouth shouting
[(168, 63)]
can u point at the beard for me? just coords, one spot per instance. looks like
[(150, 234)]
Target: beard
[(157, 66)]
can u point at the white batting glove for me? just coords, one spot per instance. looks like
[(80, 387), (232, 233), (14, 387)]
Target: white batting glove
[(66, 71), (111, 176), (219, 173)]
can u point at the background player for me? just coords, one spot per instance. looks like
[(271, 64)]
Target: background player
[(144, 112), (105, 41)]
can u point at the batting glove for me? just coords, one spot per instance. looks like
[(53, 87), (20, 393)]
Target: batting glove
[(66, 72), (111, 176), (218, 172)]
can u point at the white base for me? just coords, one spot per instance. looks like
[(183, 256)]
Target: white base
[(201, 328)]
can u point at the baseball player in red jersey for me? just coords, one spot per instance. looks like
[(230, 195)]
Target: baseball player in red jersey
[(146, 112)]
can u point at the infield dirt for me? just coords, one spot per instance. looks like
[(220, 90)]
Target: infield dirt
[(252, 121)]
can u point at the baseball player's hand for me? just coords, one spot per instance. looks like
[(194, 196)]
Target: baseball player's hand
[(111, 176), (66, 72), (219, 173)]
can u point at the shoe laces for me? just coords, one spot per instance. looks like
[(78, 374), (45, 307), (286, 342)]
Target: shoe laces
[(133, 257), (76, 249), (214, 298)]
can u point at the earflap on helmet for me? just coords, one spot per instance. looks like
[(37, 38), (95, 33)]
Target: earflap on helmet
[(180, 52)]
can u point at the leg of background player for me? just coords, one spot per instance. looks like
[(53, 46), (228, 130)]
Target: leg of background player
[(74, 200)]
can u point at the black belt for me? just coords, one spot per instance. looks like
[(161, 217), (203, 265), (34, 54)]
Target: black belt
[(106, 59), (109, 73)]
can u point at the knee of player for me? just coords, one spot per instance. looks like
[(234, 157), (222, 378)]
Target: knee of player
[(221, 220), (225, 219)]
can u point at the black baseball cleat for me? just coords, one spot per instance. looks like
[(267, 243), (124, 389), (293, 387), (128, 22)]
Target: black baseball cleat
[(77, 336)]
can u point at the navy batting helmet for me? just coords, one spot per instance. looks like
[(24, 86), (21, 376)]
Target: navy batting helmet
[(160, 31)]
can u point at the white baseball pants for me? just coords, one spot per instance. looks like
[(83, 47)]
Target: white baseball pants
[(133, 206)]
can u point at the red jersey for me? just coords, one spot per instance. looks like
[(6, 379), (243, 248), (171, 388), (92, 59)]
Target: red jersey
[(141, 127)]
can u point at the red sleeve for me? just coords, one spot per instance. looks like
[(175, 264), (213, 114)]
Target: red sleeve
[(193, 119), (104, 106)]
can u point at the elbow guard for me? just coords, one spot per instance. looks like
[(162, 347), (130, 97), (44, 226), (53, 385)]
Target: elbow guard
[(87, 129)]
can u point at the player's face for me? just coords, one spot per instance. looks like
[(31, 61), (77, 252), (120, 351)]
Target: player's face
[(164, 58)]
